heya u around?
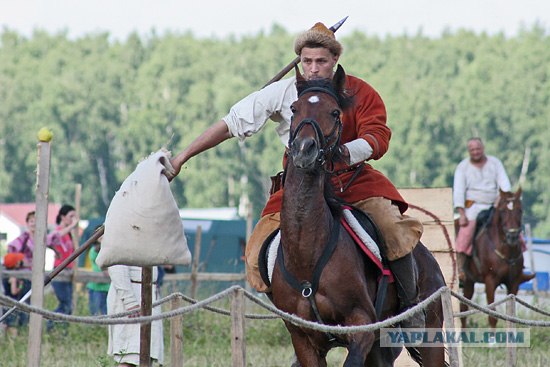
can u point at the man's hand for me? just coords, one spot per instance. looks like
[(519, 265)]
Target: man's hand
[(176, 168), (344, 153), (463, 221)]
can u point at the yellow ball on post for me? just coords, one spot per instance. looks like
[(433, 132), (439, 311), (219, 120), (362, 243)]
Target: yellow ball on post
[(45, 135)]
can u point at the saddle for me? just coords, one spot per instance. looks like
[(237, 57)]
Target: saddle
[(483, 219), (365, 234)]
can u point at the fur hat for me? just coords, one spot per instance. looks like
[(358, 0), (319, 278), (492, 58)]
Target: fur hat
[(318, 36), (12, 259)]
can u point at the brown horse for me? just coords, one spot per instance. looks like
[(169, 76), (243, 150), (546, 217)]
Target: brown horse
[(320, 274), (498, 256)]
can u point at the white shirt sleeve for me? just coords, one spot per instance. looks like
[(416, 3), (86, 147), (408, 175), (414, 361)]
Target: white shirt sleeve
[(359, 150), (459, 186), (250, 114)]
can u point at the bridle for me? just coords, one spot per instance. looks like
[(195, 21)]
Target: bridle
[(511, 235), (325, 150)]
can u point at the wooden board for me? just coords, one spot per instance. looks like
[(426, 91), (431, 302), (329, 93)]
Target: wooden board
[(434, 208)]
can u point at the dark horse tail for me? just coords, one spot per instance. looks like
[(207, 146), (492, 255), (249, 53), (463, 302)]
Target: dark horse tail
[(415, 355)]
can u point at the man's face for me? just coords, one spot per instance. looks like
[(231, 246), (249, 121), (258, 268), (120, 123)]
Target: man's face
[(317, 63), (31, 223), (68, 219), (476, 150)]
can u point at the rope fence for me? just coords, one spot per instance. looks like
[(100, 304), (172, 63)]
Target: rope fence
[(176, 298), (121, 318)]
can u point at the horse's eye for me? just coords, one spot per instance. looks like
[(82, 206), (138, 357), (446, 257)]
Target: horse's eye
[(335, 113), (292, 109)]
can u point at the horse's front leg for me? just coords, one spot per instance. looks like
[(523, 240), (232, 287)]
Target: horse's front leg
[(359, 344), (468, 292), (490, 287), (306, 353), (359, 347)]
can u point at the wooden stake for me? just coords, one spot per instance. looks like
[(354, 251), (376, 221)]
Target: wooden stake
[(39, 253), (511, 351), (238, 347), (447, 303), (195, 266), (531, 258), (146, 310), (176, 335)]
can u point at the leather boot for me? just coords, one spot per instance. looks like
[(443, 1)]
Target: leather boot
[(405, 276)]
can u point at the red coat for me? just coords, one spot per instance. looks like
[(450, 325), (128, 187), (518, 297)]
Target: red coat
[(366, 119)]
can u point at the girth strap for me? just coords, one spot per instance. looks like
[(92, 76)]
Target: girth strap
[(323, 260)]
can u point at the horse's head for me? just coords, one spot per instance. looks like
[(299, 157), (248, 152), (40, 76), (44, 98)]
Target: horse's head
[(509, 212), (316, 125)]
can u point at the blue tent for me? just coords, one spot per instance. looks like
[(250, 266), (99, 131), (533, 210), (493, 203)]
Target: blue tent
[(222, 244)]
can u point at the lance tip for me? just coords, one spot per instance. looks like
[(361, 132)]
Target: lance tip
[(335, 27)]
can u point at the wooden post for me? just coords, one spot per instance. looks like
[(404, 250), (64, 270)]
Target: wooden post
[(511, 350), (238, 347), (195, 266), (39, 252), (447, 303), (176, 335), (76, 243), (146, 310), (531, 258)]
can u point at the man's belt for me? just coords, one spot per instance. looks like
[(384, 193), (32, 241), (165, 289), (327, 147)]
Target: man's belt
[(349, 168), (468, 203), (139, 282)]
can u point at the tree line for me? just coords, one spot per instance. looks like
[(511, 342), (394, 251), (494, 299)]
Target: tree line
[(111, 103)]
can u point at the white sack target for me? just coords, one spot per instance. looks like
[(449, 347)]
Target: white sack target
[(143, 226)]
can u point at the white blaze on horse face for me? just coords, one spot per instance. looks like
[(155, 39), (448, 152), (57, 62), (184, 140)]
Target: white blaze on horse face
[(510, 205), (313, 99)]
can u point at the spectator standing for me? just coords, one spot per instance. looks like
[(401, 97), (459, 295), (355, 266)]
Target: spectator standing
[(61, 242), (97, 292)]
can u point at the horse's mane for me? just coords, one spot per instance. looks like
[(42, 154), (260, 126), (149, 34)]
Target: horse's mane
[(343, 99)]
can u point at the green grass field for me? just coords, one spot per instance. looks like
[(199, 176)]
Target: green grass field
[(207, 343)]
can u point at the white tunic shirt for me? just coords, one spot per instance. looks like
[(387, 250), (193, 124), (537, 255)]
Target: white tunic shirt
[(479, 185), (124, 294)]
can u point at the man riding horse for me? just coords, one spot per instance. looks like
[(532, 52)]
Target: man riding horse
[(365, 136), (477, 180)]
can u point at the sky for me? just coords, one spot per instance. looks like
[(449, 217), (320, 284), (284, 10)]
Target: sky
[(223, 18)]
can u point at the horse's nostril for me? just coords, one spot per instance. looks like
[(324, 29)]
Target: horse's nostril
[(309, 146)]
